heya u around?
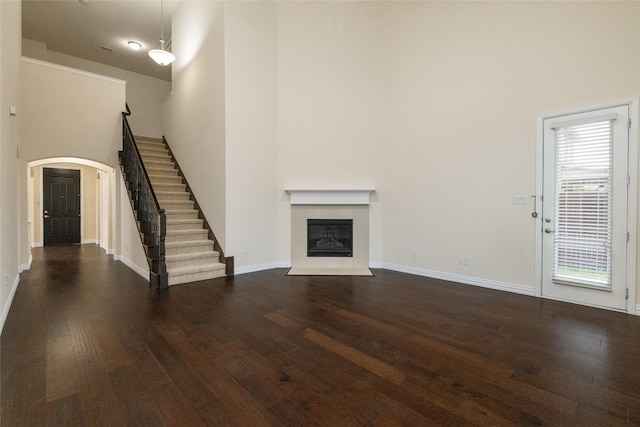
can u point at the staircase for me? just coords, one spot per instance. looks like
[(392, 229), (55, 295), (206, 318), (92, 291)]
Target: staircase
[(189, 250)]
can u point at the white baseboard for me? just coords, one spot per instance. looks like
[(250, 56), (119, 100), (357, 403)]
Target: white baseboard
[(458, 278), (7, 304), (467, 280), (141, 271), (637, 313), (88, 241), (27, 266), (37, 245), (261, 267)]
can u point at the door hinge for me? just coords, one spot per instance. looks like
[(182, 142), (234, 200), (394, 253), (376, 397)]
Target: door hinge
[(628, 180), (627, 294), (628, 237), (629, 124)]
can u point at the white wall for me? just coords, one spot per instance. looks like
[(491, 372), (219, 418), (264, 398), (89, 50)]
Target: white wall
[(10, 237), (144, 93), (132, 253), (251, 133), (194, 116), (466, 82)]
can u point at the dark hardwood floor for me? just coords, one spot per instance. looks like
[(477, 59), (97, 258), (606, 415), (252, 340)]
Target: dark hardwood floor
[(87, 342)]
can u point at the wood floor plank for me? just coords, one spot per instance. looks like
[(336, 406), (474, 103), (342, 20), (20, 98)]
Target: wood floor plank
[(62, 379), (137, 403), (88, 342), (66, 411), (290, 415), (377, 367)]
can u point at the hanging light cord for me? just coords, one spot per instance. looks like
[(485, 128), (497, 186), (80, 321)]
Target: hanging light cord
[(162, 24)]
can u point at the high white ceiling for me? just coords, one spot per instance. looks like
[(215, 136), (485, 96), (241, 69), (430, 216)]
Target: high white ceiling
[(81, 29)]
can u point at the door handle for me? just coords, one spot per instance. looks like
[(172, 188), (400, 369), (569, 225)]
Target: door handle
[(548, 230)]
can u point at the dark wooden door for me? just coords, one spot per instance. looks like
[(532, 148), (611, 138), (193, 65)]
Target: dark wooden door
[(61, 206)]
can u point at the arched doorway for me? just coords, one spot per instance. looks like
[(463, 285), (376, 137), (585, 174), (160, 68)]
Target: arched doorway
[(97, 208)]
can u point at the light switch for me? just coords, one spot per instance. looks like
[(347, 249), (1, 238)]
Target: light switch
[(12, 110)]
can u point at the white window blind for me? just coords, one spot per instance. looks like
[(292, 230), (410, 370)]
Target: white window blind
[(583, 184)]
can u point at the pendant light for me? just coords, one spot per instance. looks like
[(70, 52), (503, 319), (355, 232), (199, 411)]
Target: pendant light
[(161, 56)]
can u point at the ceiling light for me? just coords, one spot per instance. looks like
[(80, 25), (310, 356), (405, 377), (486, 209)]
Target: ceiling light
[(134, 45), (161, 56)]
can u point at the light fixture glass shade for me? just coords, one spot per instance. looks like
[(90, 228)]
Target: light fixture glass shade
[(162, 57), (134, 45)]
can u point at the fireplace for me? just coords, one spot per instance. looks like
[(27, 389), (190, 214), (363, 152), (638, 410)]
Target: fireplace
[(340, 209), (329, 237)]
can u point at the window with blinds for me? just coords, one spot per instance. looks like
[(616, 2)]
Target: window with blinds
[(583, 185)]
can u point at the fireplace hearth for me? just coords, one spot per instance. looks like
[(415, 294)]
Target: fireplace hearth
[(329, 237)]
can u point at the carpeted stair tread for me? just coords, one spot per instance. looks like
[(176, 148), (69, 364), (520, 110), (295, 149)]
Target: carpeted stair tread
[(195, 231), (181, 211), (151, 149), (165, 179), (187, 276), (186, 235), (159, 164), (161, 171), (187, 243), (170, 187), (150, 144), (185, 224), (168, 205), (197, 268), (192, 255), (172, 195)]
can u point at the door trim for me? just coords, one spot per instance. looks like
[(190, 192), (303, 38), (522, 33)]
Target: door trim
[(632, 198)]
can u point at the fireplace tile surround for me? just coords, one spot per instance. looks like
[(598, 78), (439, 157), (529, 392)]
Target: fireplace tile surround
[(330, 204)]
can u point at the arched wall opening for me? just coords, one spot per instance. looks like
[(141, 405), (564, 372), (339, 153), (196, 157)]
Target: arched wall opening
[(97, 208)]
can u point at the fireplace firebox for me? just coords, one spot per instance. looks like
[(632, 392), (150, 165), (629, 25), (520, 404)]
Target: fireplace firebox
[(329, 237)]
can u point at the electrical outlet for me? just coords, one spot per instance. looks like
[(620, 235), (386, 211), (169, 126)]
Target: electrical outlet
[(243, 253), (464, 261), (520, 200)]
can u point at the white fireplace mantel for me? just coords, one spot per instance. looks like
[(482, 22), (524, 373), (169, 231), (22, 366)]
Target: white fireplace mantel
[(330, 197)]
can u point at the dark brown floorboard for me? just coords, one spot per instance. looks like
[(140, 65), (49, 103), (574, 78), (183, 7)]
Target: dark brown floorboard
[(87, 342)]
